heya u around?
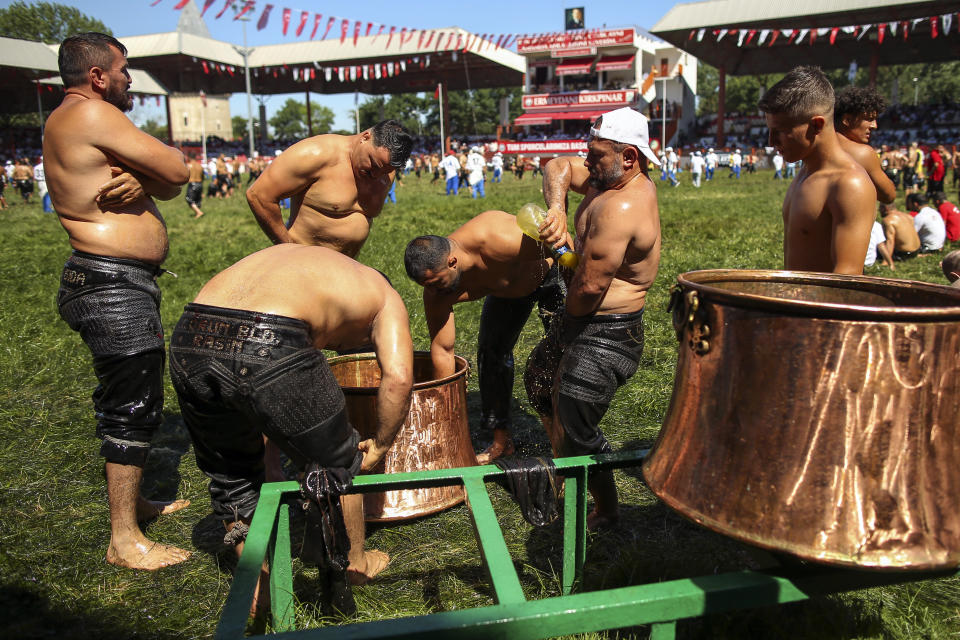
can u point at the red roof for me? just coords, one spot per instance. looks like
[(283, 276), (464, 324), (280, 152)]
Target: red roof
[(574, 66), (615, 63)]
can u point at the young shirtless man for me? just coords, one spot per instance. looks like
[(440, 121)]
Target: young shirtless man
[(595, 346), (855, 114), (902, 240), (246, 361), (195, 188), (828, 210), (488, 257), (338, 185), (108, 290)]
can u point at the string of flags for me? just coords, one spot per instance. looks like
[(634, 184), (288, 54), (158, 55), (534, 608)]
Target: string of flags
[(940, 25), (306, 73)]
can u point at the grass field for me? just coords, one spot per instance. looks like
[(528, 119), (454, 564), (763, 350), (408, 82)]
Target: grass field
[(53, 511)]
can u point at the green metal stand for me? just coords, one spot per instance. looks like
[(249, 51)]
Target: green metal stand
[(513, 616)]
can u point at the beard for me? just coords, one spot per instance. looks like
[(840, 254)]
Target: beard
[(453, 286), (604, 179), (119, 98)]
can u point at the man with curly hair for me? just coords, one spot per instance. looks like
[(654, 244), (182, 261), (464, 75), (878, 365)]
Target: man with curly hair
[(855, 114)]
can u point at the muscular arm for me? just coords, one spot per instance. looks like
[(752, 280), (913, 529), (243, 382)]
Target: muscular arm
[(561, 175), (604, 247), (851, 207), (865, 156), (293, 171), (443, 334), (886, 254), (110, 131), (394, 348)]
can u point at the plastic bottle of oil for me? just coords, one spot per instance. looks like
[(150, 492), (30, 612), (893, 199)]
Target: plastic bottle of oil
[(529, 218)]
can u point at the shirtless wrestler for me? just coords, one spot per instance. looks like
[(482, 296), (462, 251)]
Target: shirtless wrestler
[(195, 187), (338, 185), (595, 346), (828, 209), (23, 179), (902, 240), (108, 290), (246, 360), (855, 114), (488, 257)]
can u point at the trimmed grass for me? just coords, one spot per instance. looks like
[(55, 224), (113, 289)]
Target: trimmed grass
[(53, 511)]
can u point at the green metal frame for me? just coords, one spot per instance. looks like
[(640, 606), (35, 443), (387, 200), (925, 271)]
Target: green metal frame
[(513, 616)]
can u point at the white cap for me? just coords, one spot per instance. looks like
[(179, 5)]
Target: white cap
[(627, 126), (710, 150), (669, 149)]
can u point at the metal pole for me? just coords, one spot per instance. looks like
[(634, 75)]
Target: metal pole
[(245, 52), (203, 131), (440, 95), (916, 90), (356, 109), (39, 110), (663, 115)]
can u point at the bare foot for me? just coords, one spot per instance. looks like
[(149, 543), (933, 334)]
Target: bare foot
[(198, 215), (499, 447), (150, 509), (600, 521), (374, 562), (145, 554)]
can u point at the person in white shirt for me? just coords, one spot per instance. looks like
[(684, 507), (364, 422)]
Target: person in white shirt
[(736, 161), (475, 167), (712, 161), (497, 163), (928, 223), (696, 167), (41, 181), (8, 169), (670, 166), (778, 166), (451, 170)]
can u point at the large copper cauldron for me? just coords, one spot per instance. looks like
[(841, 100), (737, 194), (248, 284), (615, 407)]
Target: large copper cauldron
[(435, 434), (817, 415)]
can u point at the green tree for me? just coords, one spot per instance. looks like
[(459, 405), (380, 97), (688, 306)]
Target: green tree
[(239, 126), (48, 22), (290, 121), (155, 129)]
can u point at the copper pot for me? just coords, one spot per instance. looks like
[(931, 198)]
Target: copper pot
[(816, 414), (435, 434)]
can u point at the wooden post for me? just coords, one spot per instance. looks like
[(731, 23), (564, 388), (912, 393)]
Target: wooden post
[(721, 98), (166, 100), (444, 96), (874, 60)]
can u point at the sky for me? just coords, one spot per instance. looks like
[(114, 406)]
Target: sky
[(137, 17)]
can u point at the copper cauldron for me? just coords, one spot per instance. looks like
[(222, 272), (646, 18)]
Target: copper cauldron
[(435, 434), (816, 414)]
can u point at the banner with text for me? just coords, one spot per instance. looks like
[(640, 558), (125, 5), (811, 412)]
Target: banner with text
[(543, 146), (582, 100), (575, 40)]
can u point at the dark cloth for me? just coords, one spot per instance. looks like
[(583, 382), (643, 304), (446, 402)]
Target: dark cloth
[(25, 187), (904, 255), (194, 193), (114, 304), (533, 484), (583, 361), (501, 322), (240, 375)]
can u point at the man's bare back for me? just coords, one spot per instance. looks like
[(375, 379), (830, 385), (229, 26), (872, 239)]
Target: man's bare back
[(866, 157), (898, 228), (337, 184)]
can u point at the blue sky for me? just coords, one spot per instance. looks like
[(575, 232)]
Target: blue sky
[(137, 17)]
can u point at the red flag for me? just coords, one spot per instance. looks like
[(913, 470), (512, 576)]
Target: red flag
[(206, 5), (499, 40), (439, 40), (356, 32), (247, 8), (379, 31), (813, 35), (750, 35), (344, 27), (420, 40), (934, 26), (436, 93), (468, 41), (692, 31), (286, 20), (426, 45), (179, 5), (369, 26), (905, 26), (264, 17), (203, 98), (155, 3), (316, 24), (776, 33), (459, 40), (303, 22), (206, 69), (835, 30), (403, 33), (793, 36), (449, 40), (392, 29), (329, 24), (881, 32), (226, 5)]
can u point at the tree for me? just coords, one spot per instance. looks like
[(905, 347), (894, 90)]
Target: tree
[(290, 120), (46, 22), (239, 126), (155, 129)]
